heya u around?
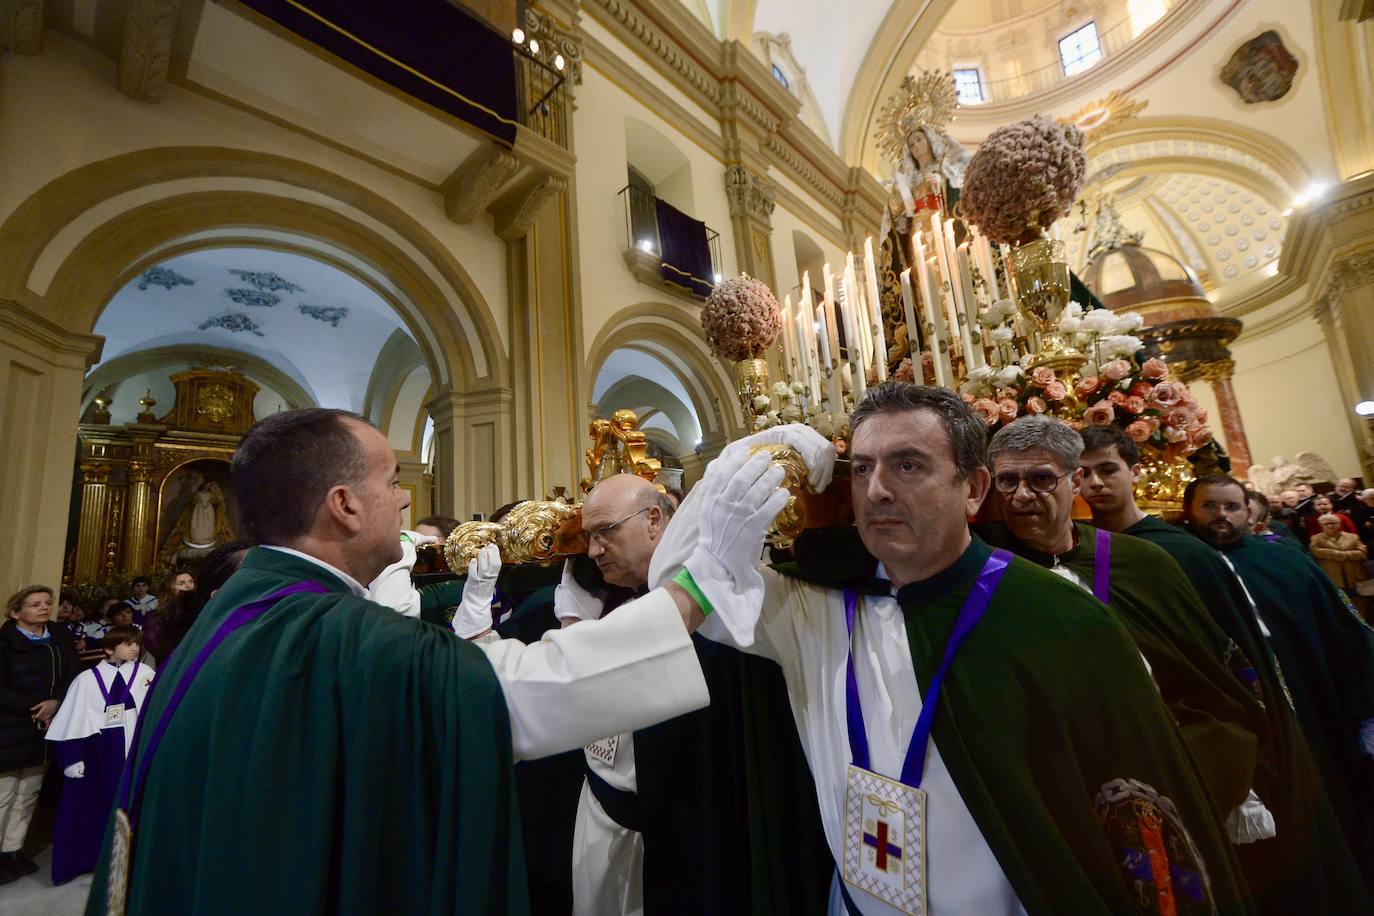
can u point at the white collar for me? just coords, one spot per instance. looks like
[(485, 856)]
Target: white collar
[(348, 580)]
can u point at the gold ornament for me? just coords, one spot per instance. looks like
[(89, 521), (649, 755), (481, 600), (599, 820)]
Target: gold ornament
[(535, 531), (1159, 488), (1040, 273), (751, 381), (928, 99)]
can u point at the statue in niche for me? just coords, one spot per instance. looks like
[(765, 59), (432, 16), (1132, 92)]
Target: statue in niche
[(194, 497)]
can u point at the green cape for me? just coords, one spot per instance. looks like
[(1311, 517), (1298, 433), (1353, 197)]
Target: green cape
[(332, 757), (1221, 719), (1307, 867), (1327, 657)]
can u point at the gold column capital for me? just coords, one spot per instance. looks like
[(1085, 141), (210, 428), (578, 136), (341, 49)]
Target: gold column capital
[(1220, 370), (140, 472), (95, 472)]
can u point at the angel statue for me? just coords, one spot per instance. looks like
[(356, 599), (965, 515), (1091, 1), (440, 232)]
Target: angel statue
[(1309, 468)]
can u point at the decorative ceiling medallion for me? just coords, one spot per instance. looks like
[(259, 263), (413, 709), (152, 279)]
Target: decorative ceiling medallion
[(332, 314), (215, 403), (1104, 115), (252, 297), (1261, 70), (236, 322), (267, 281), (163, 277), (928, 99)]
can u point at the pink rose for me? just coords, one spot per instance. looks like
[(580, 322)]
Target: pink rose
[(1118, 398), (1165, 395), (1135, 404), (1100, 414), (904, 372), (1199, 436), (1142, 389), (1087, 385), (1056, 391), (1201, 414), (968, 398), (1036, 405), (1179, 417), (987, 409), (1139, 431), (1042, 376), (1153, 423), (1116, 370), (1008, 409), (1154, 368), (1175, 434), (1010, 392)]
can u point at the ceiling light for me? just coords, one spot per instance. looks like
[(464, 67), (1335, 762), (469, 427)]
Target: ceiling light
[(1365, 408), (1288, 212), (518, 36), (719, 278), (534, 46), (646, 245), (558, 62)]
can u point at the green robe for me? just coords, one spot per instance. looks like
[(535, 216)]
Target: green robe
[(1046, 706), (1327, 656), (331, 757), (1221, 719), (1307, 867)]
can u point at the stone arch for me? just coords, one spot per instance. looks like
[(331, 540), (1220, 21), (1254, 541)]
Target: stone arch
[(78, 239)]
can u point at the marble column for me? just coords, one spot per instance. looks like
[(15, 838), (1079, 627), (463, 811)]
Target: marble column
[(1218, 375)]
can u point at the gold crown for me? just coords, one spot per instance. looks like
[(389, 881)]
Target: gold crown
[(928, 99)]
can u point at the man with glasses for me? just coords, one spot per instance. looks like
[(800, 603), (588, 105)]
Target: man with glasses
[(1306, 866), (983, 737), (1325, 651), (1036, 475)]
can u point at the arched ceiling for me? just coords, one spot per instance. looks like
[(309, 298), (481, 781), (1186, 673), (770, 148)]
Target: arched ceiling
[(318, 325)]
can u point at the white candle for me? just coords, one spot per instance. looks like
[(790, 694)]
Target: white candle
[(909, 313), (860, 347), (789, 362), (831, 329), (939, 344), (875, 309), (944, 276), (973, 355), (806, 322)]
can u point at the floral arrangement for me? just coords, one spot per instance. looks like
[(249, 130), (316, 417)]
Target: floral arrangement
[(741, 318), (834, 426), (1023, 178), (1115, 387)]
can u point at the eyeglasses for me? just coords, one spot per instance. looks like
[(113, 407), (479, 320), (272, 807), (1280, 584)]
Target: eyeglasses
[(1038, 481), (604, 534)]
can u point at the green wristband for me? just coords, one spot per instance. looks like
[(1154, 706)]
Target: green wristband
[(689, 585)]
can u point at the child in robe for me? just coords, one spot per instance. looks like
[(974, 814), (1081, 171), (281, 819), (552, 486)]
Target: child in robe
[(93, 731)]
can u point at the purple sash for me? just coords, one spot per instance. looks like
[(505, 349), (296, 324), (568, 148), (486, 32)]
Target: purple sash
[(128, 700), (1102, 567), (131, 786), (979, 597)]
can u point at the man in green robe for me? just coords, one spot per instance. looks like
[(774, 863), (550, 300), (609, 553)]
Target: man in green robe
[(1036, 475), (324, 754), (1324, 650), (1056, 781), (1307, 867)]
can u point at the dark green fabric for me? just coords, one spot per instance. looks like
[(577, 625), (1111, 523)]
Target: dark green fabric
[(1221, 720), (332, 757), (439, 597), (1307, 867), (1046, 704), (1326, 654)]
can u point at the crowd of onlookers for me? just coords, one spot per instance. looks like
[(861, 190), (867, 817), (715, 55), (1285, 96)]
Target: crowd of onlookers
[(1337, 528)]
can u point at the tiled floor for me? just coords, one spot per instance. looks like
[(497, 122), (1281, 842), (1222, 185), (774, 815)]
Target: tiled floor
[(34, 895)]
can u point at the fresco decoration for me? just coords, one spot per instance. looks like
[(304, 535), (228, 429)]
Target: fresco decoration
[(1261, 70), (253, 297), (331, 314), (267, 281), (237, 322), (164, 277)]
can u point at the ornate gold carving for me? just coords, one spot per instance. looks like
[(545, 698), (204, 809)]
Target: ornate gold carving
[(475, 184), (147, 50), (214, 400), (618, 447), (535, 531), (140, 472), (927, 100), (1105, 115), (215, 403), (94, 472), (466, 540)]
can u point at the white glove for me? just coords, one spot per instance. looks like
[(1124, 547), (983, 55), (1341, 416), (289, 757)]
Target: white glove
[(1251, 821), (571, 601), (739, 502), (393, 587), (417, 538), (473, 616), (816, 451), (1367, 737), (76, 770)]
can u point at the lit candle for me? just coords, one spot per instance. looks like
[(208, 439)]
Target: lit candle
[(909, 313), (789, 362), (875, 309)]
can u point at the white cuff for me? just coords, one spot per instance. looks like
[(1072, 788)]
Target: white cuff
[(76, 770), (735, 604), (1251, 821)]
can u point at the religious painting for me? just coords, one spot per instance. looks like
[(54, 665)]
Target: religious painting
[(1261, 70), (194, 514)]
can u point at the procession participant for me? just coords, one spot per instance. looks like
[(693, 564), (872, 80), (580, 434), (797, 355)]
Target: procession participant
[(1326, 653), (142, 602), (1307, 866), (348, 759), (659, 807), (92, 732), (1036, 475), (1056, 781)]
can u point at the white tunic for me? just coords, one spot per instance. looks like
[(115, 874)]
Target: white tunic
[(607, 859), (802, 628), (82, 712)]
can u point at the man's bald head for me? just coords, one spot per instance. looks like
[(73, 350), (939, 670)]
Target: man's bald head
[(625, 515)]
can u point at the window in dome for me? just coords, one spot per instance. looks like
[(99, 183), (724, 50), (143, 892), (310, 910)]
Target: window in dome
[(1145, 13), (781, 78), (1080, 49), (968, 85)]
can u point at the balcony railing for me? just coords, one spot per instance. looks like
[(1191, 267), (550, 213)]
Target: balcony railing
[(684, 263), (542, 96)]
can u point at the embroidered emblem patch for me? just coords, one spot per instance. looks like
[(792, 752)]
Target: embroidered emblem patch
[(604, 750), (1158, 858), (1239, 666), (885, 840)]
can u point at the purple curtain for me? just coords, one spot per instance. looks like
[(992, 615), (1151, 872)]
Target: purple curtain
[(686, 253)]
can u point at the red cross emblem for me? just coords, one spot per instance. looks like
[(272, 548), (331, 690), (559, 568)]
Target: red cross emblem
[(882, 847)]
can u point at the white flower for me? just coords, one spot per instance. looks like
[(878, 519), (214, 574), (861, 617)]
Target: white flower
[(1004, 334), (1084, 340), (1068, 324), (1009, 376), (1099, 321), (1074, 310), (998, 312), (798, 389), (780, 389), (791, 414), (762, 402), (1131, 321), (981, 374), (1120, 346)]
